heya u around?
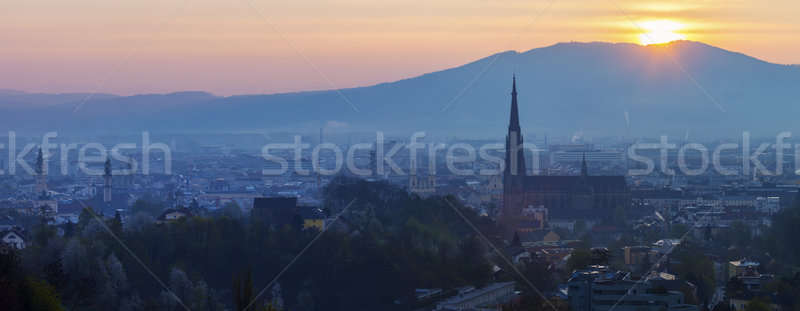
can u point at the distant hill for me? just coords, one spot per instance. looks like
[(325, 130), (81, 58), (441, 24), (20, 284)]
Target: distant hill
[(563, 88)]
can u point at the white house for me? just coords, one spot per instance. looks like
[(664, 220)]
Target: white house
[(13, 238)]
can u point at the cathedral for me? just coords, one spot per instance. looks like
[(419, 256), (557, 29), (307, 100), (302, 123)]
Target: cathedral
[(565, 197)]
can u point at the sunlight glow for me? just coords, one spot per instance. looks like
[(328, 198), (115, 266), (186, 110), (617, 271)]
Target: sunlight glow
[(660, 31)]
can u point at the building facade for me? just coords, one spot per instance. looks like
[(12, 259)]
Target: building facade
[(581, 196)]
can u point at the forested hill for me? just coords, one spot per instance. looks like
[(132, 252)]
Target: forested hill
[(387, 244)]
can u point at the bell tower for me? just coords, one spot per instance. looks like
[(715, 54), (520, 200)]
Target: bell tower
[(514, 169), (107, 181)]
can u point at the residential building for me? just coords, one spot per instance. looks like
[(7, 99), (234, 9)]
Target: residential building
[(14, 238), (174, 214), (600, 289), (489, 297)]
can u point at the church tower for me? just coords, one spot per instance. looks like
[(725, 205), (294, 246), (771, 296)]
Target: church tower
[(515, 154), (41, 174), (514, 170), (107, 181), (584, 169), (583, 194)]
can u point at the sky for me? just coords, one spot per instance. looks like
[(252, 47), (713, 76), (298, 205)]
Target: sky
[(256, 46)]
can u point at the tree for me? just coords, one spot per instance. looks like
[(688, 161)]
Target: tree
[(139, 221), (579, 259), (696, 268), (277, 296), (43, 233), (757, 305), (23, 293), (620, 216), (386, 235), (677, 231), (305, 301), (785, 228), (646, 264), (600, 256), (132, 303), (54, 273), (579, 227), (115, 224), (232, 210), (740, 234), (81, 276), (40, 296), (84, 218), (515, 241), (242, 290), (10, 276), (194, 205), (115, 283), (147, 206), (69, 229), (180, 286)]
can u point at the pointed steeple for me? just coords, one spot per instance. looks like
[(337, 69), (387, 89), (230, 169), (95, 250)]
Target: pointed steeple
[(513, 123), (515, 156), (39, 163), (107, 182), (584, 169), (107, 167), (514, 172), (41, 175)]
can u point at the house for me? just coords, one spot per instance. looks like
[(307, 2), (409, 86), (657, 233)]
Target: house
[(746, 284), (518, 254), (548, 236), (13, 237), (555, 256), (551, 236), (636, 255), (45, 206), (597, 288), (313, 217), (740, 302), (69, 213), (741, 267), (174, 214), (284, 211), (533, 219), (219, 185)]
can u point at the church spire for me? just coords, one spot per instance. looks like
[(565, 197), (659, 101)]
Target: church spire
[(513, 123), (514, 172), (107, 182), (515, 156), (40, 162), (584, 169), (41, 172), (107, 167)]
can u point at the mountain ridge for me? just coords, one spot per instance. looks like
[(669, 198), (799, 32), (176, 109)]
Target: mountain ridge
[(564, 88)]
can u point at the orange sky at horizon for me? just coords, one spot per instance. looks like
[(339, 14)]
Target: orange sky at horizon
[(128, 47)]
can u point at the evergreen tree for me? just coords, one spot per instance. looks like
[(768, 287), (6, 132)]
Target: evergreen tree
[(242, 290)]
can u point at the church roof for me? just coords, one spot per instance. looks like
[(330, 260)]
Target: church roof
[(567, 183), (16, 232)]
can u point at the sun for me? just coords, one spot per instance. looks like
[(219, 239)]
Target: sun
[(660, 31)]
